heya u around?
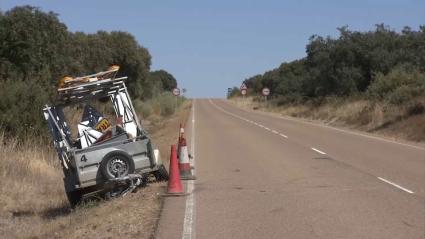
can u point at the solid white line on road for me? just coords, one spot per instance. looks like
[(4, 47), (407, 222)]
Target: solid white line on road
[(320, 152), (304, 121), (396, 185), (283, 135), (189, 214)]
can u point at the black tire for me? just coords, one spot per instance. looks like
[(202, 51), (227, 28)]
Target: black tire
[(74, 198), (115, 165), (161, 174)]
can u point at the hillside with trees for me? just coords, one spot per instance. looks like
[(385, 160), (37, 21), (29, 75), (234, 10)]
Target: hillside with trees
[(36, 50), (382, 67)]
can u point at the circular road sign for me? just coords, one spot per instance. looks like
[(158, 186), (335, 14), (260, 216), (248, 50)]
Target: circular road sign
[(176, 91), (243, 91), (266, 91)]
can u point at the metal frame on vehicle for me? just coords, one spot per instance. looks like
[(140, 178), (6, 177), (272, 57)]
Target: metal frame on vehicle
[(86, 166)]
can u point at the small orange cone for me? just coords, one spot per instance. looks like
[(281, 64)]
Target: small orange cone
[(184, 163), (175, 187)]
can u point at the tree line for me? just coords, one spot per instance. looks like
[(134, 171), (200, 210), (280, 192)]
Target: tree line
[(382, 65), (36, 50)]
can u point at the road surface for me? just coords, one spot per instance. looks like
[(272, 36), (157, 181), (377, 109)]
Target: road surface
[(263, 176)]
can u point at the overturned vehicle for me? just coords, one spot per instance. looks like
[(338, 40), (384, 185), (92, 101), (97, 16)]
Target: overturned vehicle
[(104, 158)]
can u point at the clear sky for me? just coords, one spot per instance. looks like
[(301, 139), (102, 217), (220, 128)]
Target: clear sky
[(210, 46)]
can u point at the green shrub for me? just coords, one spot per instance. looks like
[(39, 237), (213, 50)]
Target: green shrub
[(167, 103), (21, 108), (143, 108), (399, 86), (401, 95)]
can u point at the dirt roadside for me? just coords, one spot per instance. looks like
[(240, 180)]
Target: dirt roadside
[(133, 216)]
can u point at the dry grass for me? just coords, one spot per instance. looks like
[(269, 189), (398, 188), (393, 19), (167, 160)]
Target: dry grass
[(27, 170), (33, 202), (166, 131), (397, 122)]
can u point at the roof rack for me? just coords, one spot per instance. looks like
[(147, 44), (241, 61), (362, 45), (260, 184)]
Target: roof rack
[(99, 85), (69, 81)]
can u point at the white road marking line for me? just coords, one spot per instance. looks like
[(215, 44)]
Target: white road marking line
[(330, 127), (188, 232), (241, 118), (188, 225), (320, 152), (396, 185), (304, 121)]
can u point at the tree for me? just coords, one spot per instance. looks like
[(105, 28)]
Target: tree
[(36, 50), (159, 81), (345, 65)]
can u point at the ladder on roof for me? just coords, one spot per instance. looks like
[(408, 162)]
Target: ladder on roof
[(68, 81)]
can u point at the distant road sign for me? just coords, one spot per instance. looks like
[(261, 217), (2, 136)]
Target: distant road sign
[(176, 91), (266, 91), (243, 87), (243, 91)]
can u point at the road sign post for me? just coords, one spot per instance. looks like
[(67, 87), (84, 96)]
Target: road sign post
[(176, 93), (229, 92), (265, 92), (243, 89), (243, 92)]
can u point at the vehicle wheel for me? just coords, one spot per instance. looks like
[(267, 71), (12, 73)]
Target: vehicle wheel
[(74, 198), (116, 165), (161, 174)]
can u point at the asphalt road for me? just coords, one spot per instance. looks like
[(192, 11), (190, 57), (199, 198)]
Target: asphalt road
[(262, 176)]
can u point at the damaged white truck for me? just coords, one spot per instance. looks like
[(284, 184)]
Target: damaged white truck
[(103, 158)]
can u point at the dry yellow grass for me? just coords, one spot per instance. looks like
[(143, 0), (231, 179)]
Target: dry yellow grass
[(26, 171), (33, 202), (395, 122)]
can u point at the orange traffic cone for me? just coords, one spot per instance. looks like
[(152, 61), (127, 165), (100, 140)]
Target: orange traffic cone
[(184, 163), (175, 187)]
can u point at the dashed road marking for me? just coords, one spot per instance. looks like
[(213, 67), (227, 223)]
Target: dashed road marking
[(320, 152), (247, 120), (396, 185), (304, 121)]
